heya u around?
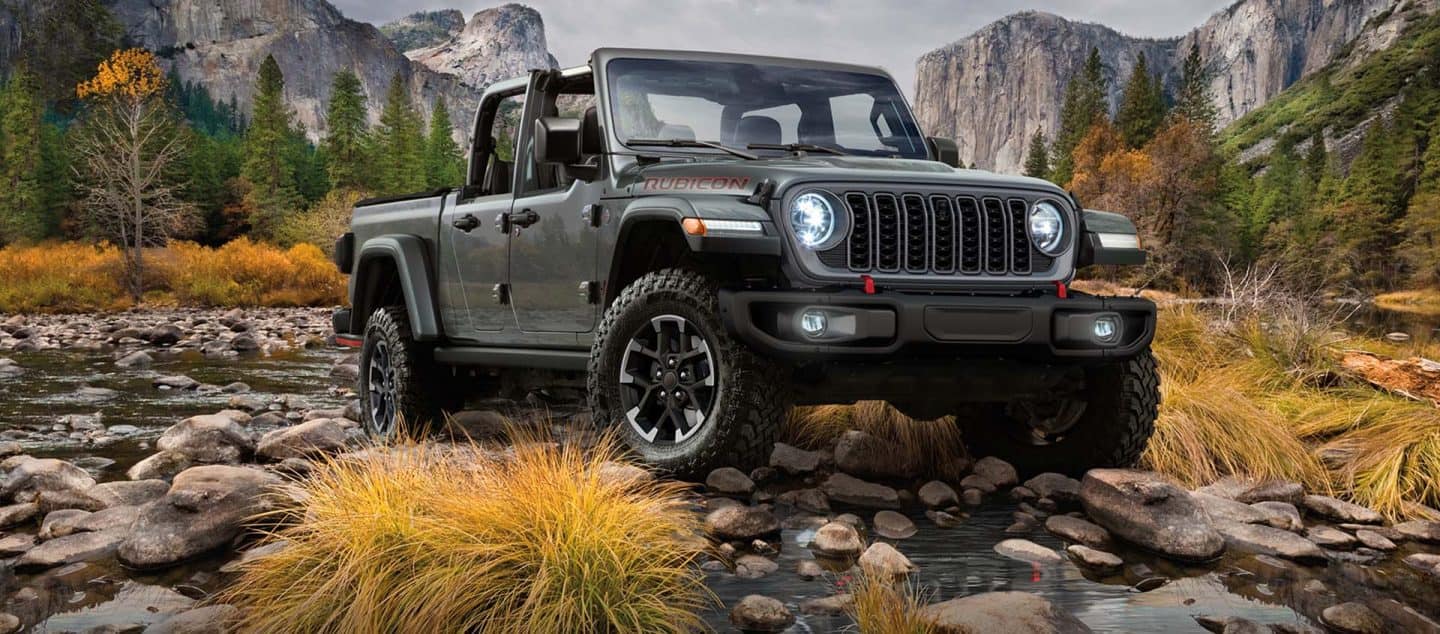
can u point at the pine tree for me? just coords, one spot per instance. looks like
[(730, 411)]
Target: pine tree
[(346, 130), (1194, 100), (1037, 160), (443, 164), (1142, 105), (401, 145), (1317, 158), (268, 163), (1085, 104), (1420, 249), (22, 212), (1363, 220)]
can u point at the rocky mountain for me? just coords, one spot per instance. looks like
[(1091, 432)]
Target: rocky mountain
[(497, 43), (424, 28), (992, 90)]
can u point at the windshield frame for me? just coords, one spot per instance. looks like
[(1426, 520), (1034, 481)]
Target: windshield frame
[(606, 88)]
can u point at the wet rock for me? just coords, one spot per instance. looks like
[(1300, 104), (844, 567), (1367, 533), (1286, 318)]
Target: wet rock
[(235, 388), (9, 368), (1372, 539), (1332, 538), (1423, 562), (60, 523), (864, 455), (244, 343), (1407, 617), (1222, 510), (623, 473), (1272, 491), (31, 476), (177, 382), (882, 559), (944, 519), (808, 570), (206, 508), (128, 492), (754, 567), (892, 525), (1151, 512), (163, 335), (997, 471), (1002, 612), (729, 481), (972, 497), (210, 438), (1281, 515), (1064, 490), (1267, 540), (18, 513), (831, 605), (1026, 550), (1420, 531), (319, 436), (1352, 618), (202, 620), (846, 489), (12, 545), (1099, 561), (837, 540), (808, 500), (938, 495), (795, 461), (977, 482), (137, 359), (248, 402), (160, 466), (70, 549), (113, 518), (50, 501), (1077, 531), (1231, 625), (10, 448), (345, 371), (1340, 510), (742, 523), (756, 613)]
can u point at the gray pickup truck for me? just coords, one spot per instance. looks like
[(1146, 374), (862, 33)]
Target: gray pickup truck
[(704, 240)]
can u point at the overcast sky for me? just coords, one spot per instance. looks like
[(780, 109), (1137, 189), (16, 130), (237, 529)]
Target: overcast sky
[(876, 32)]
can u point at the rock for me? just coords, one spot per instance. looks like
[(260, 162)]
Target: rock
[(832, 605), (202, 620), (622, 473), (160, 466), (50, 501), (18, 513), (1420, 531), (1151, 512), (861, 454), (977, 482), (137, 359), (938, 495), (995, 612), (1231, 625), (206, 508), (795, 461), (1026, 550), (944, 519), (1098, 561), (729, 481), (113, 518), (997, 471), (1372, 539), (742, 523), (319, 436), (1423, 562), (1222, 510), (756, 613), (1397, 337), (1267, 540), (754, 567), (1077, 531), (838, 540), (128, 492), (882, 559), (808, 500), (9, 368), (845, 489), (1407, 617), (1332, 538), (177, 382), (31, 476), (210, 438), (892, 525), (1340, 510), (972, 497), (70, 549), (1352, 618), (163, 335), (1280, 515), (10, 448), (1064, 490), (244, 343), (808, 570), (251, 554), (60, 523), (1272, 491), (15, 544)]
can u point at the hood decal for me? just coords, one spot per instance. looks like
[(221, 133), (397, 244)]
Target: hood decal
[(705, 184)]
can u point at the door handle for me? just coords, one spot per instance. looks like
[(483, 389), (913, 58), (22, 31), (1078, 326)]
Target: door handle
[(525, 218), (466, 223)]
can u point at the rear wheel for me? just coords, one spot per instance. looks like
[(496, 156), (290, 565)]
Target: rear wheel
[(401, 388), (1107, 424)]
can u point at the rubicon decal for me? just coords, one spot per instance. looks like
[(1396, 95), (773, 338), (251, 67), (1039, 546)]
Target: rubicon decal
[(725, 184)]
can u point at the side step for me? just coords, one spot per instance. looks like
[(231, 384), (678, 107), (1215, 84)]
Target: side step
[(540, 359)]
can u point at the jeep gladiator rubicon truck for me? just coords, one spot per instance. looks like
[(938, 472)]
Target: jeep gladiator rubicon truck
[(708, 239)]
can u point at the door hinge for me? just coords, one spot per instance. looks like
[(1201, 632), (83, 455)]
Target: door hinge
[(501, 294), (593, 214), (590, 292)]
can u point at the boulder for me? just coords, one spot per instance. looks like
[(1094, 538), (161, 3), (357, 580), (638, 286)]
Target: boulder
[(1151, 512), (50, 501), (756, 613), (70, 549), (1352, 618), (729, 481), (60, 523), (741, 523), (318, 436), (113, 518), (845, 489), (31, 476), (1225, 510), (163, 335), (1077, 531), (1332, 538), (795, 461), (15, 514), (15, 544), (867, 456), (1272, 491), (161, 466), (882, 559), (938, 495), (1374, 540), (1026, 550), (1063, 489), (205, 509), (1001, 612), (1340, 510), (997, 471), (137, 359), (1281, 515), (838, 540), (1095, 560), (202, 620), (754, 566), (209, 438), (1420, 531), (128, 492), (892, 525), (808, 500), (832, 605), (177, 382), (1267, 540), (977, 482)]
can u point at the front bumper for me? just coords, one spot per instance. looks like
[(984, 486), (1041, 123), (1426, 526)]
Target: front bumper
[(890, 324)]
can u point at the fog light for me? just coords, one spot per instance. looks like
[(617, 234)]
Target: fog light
[(1106, 328), (814, 323)]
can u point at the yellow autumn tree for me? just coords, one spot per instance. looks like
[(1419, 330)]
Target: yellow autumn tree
[(131, 73)]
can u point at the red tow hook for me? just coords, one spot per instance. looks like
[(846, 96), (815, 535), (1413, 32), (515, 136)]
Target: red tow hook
[(348, 341), (1061, 290), (869, 284)]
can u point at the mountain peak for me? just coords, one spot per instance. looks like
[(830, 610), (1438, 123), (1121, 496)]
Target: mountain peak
[(496, 44)]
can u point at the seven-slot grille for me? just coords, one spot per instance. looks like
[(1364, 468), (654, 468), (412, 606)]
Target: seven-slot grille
[(931, 233)]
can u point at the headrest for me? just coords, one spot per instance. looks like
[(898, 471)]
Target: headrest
[(756, 129)]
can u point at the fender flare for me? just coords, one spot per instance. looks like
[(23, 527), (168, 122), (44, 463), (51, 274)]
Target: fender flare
[(676, 209), (409, 255)]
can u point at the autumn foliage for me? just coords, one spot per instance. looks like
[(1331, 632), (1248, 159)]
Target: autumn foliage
[(131, 73)]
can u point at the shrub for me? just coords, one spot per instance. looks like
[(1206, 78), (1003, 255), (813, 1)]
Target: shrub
[(884, 606), (61, 277), (421, 538), (245, 273), (932, 444)]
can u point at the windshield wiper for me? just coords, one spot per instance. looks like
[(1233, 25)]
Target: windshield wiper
[(795, 147), (692, 143)]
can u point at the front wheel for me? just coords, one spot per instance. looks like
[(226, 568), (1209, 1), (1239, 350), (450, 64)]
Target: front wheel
[(1108, 424), (673, 384)]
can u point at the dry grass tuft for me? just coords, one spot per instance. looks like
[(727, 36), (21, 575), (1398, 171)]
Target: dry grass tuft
[(421, 538), (932, 444), (1421, 302), (883, 606)]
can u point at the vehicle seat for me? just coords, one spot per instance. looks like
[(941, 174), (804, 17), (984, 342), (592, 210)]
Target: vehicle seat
[(756, 129), (674, 131), (497, 178)]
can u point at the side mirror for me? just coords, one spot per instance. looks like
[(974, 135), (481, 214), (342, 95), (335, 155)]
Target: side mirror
[(557, 140), (944, 150)]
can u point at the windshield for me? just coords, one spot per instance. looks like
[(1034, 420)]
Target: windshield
[(744, 105)]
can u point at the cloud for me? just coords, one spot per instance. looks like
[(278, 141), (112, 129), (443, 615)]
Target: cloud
[(891, 35)]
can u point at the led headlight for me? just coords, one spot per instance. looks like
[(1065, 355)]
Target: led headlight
[(817, 220), (1047, 228)]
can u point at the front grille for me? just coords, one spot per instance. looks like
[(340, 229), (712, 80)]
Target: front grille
[(926, 233)]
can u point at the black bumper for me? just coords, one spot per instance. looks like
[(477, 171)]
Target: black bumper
[(888, 325)]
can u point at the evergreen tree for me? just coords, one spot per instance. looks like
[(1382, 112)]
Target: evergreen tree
[(22, 212), (1420, 249), (1142, 105), (1317, 158), (269, 165), (1037, 160), (443, 164), (1194, 100), (400, 143), (1085, 104), (346, 130), (1362, 222)]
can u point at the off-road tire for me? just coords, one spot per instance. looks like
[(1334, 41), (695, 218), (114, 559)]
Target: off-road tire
[(421, 388), (1123, 400), (742, 428)]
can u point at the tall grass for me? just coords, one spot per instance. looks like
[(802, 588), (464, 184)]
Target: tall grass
[(63, 277), (885, 606), (420, 538), (932, 444)]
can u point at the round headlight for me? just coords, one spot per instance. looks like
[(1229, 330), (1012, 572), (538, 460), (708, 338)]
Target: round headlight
[(1047, 228), (816, 220)]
